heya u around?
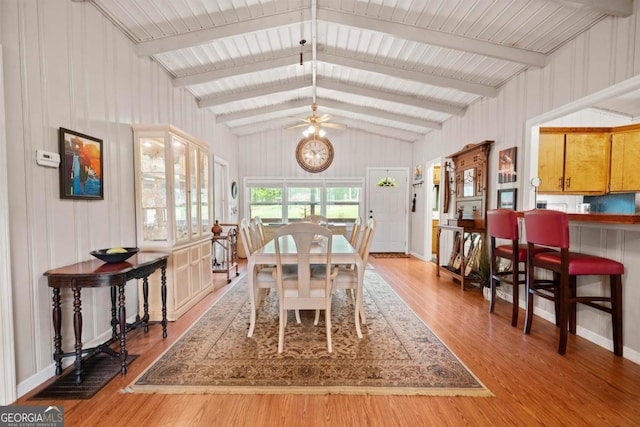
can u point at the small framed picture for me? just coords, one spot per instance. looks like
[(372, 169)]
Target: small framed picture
[(507, 165), (507, 199), (417, 174), (80, 166)]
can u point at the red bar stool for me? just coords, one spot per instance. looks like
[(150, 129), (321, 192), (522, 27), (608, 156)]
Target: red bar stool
[(551, 229), (503, 224)]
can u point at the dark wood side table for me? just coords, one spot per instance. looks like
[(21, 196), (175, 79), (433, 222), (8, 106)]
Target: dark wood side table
[(96, 273)]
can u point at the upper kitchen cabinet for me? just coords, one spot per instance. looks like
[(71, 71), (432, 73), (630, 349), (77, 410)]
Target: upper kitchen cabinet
[(574, 160), (625, 152), (173, 211)]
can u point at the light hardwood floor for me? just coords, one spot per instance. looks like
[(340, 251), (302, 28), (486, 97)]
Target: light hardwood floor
[(531, 383)]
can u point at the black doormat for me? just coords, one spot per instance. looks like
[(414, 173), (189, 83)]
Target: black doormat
[(97, 372), (389, 255)]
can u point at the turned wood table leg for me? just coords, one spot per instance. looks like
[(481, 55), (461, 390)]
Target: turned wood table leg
[(77, 329), (57, 326), (122, 312), (145, 303), (163, 293), (114, 319)]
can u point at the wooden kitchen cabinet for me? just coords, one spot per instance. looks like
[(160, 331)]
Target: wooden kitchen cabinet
[(625, 152), (574, 160)]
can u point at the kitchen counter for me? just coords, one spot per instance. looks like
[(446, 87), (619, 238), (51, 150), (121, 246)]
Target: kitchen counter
[(605, 218)]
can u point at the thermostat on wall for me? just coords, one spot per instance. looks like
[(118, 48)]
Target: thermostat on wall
[(47, 158)]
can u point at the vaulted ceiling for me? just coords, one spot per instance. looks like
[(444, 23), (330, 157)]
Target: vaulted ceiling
[(393, 67)]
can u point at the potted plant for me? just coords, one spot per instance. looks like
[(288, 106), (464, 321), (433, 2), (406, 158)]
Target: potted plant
[(484, 271)]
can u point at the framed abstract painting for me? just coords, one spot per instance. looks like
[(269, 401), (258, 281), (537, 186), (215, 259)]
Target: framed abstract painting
[(80, 166)]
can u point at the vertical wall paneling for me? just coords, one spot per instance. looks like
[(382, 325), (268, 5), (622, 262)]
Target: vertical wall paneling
[(68, 66), (7, 341), (575, 77)]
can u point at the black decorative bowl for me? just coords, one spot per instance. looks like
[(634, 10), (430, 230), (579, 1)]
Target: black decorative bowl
[(113, 258)]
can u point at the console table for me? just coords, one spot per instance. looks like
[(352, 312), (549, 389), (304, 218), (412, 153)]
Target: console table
[(93, 274), (458, 267)]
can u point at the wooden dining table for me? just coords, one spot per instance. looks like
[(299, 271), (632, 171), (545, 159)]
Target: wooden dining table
[(342, 253)]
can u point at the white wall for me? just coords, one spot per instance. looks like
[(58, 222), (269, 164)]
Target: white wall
[(273, 154), (65, 65), (609, 53)]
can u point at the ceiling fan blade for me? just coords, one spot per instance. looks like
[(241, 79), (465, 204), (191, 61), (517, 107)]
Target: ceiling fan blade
[(324, 118), (305, 119), (333, 125), (298, 126)]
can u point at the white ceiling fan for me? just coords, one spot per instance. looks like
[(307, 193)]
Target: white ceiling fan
[(314, 122)]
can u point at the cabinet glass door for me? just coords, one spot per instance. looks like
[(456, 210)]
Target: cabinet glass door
[(180, 188), (153, 190), (193, 191), (204, 193)]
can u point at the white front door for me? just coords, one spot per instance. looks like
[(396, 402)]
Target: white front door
[(389, 205)]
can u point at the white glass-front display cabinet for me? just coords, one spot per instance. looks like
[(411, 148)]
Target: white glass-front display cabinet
[(173, 212)]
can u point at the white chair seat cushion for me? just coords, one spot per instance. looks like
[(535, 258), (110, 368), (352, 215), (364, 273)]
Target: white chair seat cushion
[(289, 272), (340, 274)]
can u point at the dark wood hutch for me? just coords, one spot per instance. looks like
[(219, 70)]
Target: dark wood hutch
[(469, 171)]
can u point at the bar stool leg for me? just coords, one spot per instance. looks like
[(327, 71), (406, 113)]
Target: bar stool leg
[(616, 312), (563, 314), (515, 293), (573, 289), (556, 293), (529, 305)]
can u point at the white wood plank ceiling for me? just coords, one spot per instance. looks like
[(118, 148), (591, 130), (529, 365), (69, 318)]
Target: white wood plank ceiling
[(395, 67)]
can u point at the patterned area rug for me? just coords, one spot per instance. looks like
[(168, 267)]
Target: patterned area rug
[(398, 354)]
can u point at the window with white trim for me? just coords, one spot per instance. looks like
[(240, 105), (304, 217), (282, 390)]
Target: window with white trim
[(291, 199)]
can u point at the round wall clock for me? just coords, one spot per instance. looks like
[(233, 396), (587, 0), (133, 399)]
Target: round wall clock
[(314, 153)]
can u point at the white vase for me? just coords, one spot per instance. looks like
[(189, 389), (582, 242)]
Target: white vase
[(487, 293)]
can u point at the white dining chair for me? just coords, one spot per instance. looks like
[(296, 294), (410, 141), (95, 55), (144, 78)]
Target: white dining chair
[(304, 291), (347, 277), (258, 231), (263, 277), (316, 219), (355, 232)]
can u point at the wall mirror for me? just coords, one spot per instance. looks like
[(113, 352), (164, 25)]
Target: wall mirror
[(468, 183)]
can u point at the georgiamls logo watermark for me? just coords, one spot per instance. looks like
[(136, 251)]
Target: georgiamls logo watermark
[(31, 416)]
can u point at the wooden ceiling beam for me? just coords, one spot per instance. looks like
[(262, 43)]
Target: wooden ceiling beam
[(332, 84), (621, 8), (401, 73), (217, 100), (253, 67), (276, 108), (196, 38), (392, 97), (381, 114), (436, 38)]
